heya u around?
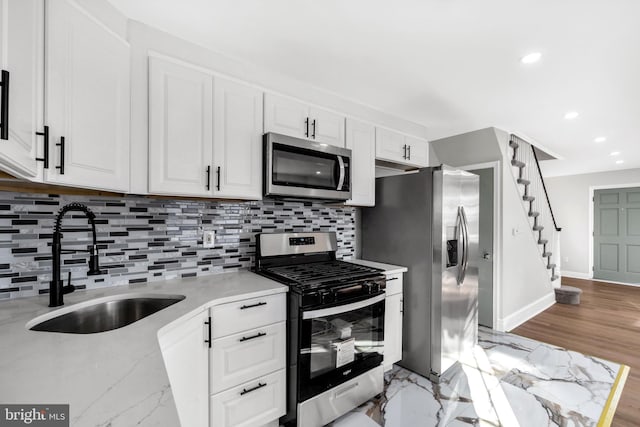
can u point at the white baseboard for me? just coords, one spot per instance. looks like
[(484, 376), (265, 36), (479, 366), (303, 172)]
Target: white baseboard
[(516, 319), (575, 274)]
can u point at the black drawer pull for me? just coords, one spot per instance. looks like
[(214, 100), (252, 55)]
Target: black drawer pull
[(208, 178), (45, 156), (393, 278), (61, 145), (4, 105), (249, 390), (258, 335), (258, 304)]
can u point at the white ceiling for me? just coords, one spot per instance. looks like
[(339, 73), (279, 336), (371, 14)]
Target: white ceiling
[(451, 65)]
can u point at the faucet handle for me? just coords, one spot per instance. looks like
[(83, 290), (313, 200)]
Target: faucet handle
[(94, 263)]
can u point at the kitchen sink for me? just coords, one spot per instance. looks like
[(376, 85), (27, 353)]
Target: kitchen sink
[(103, 314)]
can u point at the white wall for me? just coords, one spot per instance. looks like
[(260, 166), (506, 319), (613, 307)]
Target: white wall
[(571, 202)]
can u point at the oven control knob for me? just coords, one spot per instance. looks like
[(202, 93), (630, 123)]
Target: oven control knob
[(374, 288), (326, 297)]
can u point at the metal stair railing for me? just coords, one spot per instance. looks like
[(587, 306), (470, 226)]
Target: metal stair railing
[(536, 199)]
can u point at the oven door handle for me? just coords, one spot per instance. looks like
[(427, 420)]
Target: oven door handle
[(324, 312), (342, 172)]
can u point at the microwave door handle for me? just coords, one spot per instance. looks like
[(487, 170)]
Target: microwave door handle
[(342, 172)]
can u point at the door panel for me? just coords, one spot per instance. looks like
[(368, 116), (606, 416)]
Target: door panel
[(180, 128), (285, 116), (88, 99), (361, 140), (21, 54), (329, 127), (617, 235), (237, 140)]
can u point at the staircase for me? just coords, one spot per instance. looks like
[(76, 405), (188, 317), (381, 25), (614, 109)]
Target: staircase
[(526, 169)]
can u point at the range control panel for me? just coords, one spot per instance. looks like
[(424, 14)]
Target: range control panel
[(302, 241)]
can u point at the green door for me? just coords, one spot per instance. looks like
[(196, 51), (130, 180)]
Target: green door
[(616, 235)]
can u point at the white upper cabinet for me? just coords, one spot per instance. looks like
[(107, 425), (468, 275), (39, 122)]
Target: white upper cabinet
[(398, 148), (361, 140), (205, 133), (180, 129), (21, 59), (87, 100), (237, 148), (295, 118)]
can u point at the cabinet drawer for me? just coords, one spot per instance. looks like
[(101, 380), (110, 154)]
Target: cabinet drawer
[(248, 314), (241, 357), (254, 403), (394, 284)]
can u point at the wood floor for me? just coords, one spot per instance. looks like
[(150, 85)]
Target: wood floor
[(606, 324)]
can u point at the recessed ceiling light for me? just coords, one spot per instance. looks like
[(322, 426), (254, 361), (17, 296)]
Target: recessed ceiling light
[(600, 139), (571, 115), (531, 58), (614, 153), (619, 162)]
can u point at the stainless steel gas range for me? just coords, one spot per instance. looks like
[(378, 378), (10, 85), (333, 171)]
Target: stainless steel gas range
[(335, 325)]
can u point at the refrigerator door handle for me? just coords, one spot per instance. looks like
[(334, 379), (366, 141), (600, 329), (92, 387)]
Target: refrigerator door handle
[(465, 244), (460, 245)]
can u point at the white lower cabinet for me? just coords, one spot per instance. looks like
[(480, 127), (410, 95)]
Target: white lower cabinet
[(393, 321), (254, 403), (247, 355)]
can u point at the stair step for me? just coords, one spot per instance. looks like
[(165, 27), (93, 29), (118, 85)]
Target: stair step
[(513, 144), (528, 198), (524, 182), (543, 241), (534, 214), (518, 163), (551, 266), (546, 254), (538, 228)]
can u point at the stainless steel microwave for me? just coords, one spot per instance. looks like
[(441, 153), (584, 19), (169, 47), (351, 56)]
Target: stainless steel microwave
[(297, 168)]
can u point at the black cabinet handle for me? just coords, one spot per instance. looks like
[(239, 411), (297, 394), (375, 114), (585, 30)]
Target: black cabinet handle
[(208, 323), (313, 135), (218, 178), (4, 105), (61, 145), (45, 155), (249, 390), (208, 178), (258, 304), (252, 337), (306, 127), (409, 151), (404, 156), (393, 278)]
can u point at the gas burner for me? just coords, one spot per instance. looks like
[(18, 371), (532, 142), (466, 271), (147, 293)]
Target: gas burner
[(323, 273)]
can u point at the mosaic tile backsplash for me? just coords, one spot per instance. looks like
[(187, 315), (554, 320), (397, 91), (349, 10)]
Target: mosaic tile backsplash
[(143, 239)]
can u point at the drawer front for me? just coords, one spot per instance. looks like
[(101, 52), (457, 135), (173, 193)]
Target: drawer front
[(238, 358), (333, 403), (254, 403), (394, 284), (248, 314)]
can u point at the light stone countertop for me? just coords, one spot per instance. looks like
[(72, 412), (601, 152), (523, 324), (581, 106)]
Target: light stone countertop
[(388, 268), (113, 378)]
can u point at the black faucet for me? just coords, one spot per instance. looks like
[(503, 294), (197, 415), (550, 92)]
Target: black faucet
[(56, 288)]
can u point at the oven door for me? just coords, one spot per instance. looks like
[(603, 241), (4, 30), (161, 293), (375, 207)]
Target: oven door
[(339, 343), (306, 169)]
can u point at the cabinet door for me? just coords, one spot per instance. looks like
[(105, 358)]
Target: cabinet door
[(361, 140), (390, 146), (418, 151), (180, 129), (237, 140), (21, 54), (286, 116), (326, 127), (392, 330), (87, 100), (186, 359)]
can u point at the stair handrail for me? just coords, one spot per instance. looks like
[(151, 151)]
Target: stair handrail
[(544, 187)]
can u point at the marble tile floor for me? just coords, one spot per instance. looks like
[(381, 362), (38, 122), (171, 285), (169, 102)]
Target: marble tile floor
[(506, 381)]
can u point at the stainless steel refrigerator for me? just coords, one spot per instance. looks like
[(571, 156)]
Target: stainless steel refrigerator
[(428, 221)]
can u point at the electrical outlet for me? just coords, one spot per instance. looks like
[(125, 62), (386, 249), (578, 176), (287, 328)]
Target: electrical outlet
[(209, 238)]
